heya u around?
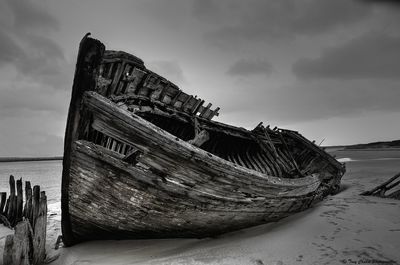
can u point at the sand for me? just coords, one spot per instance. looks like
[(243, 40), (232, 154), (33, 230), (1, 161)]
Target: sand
[(344, 229)]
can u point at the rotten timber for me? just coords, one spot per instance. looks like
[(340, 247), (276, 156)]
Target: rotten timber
[(27, 245), (136, 141), (388, 189)]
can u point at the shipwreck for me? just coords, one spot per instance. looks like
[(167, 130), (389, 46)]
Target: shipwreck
[(143, 159)]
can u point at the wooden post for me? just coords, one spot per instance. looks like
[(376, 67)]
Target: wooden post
[(8, 250), (27, 245), (35, 204), (20, 201), (39, 235), (3, 199), (11, 213), (19, 247), (28, 202)]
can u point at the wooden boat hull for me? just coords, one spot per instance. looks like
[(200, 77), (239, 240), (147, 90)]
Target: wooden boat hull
[(125, 177), (112, 200)]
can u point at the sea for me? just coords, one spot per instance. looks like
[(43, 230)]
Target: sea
[(46, 174)]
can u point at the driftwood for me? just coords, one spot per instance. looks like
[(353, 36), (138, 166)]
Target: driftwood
[(18, 247), (27, 245), (383, 188)]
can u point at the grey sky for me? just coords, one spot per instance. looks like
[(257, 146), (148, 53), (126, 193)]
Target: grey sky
[(329, 69)]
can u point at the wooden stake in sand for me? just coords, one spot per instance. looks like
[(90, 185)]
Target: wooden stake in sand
[(27, 245)]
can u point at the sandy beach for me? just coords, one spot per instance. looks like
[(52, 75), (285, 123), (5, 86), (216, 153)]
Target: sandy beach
[(343, 229)]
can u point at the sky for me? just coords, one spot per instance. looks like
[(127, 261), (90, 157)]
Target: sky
[(328, 69)]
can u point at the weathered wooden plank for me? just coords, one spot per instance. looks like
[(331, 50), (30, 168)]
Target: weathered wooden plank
[(20, 200), (39, 235), (89, 58), (19, 247), (116, 79), (134, 79), (3, 199), (28, 202), (124, 126), (171, 204), (35, 204), (122, 82), (204, 110), (170, 93), (8, 258), (12, 209), (382, 188)]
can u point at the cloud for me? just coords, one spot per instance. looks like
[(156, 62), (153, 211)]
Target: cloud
[(373, 55), (169, 70), (27, 97), (9, 50), (253, 20), (250, 67), (25, 45), (29, 15), (382, 2), (311, 101)]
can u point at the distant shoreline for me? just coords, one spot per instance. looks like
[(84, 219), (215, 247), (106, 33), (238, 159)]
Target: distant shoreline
[(26, 159), (372, 149)]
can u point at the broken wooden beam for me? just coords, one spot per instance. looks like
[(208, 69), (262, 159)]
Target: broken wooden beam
[(3, 199), (383, 188), (19, 205), (18, 249), (39, 231), (12, 208)]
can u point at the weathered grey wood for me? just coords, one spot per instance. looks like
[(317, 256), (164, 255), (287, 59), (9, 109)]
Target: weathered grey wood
[(109, 119), (4, 220), (35, 204), (3, 199), (6, 207), (200, 138), (28, 202), (173, 188), (12, 209), (89, 58), (381, 185), (20, 201), (159, 223), (19, 247), (8, 258), (39, 235), (383, 188)]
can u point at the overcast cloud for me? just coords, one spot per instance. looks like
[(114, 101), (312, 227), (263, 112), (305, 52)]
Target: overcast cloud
[(301, 64)]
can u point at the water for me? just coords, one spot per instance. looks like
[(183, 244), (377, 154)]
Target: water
[(46, 174)]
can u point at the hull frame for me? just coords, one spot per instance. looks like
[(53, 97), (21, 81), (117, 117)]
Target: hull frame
[(140, 181)]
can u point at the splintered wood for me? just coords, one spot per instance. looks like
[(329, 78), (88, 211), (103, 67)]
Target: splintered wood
[(391, 185), (27, 245)]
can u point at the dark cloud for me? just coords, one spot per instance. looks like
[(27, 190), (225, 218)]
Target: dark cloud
[(305, 101), (382, 2), (373, 55), (250, 67), (260, 20), (24, 44), (29, 15), (41, 57), (9, 50), (205, 9)]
